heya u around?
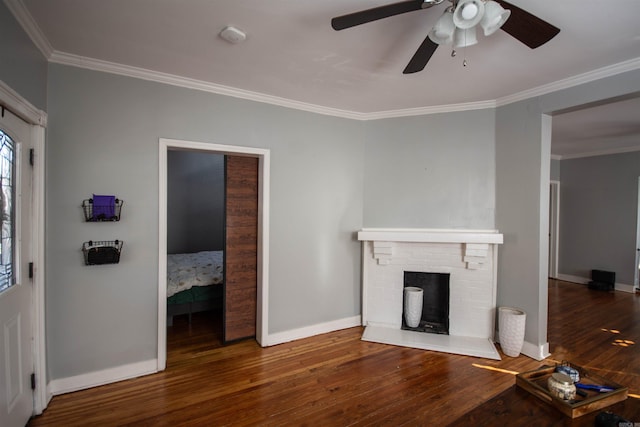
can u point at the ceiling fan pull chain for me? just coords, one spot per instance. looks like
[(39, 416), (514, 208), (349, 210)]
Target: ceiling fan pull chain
[(464, 51)]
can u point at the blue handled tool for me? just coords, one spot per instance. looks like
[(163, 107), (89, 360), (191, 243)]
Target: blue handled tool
[(600, 388)]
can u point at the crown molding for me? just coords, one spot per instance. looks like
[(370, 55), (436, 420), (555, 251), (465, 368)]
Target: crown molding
[(600, 73), (28, 23), (607, 152), (422, 111), (25, 19), (174, 80)]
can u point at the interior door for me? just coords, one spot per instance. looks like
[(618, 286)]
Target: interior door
[(241, 247), (16, 316)]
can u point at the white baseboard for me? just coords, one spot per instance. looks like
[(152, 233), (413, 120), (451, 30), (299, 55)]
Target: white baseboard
[(106, 376), (625, 288), (133, 370), (537, 352), (573, 279), (622, 287), (309, 331)]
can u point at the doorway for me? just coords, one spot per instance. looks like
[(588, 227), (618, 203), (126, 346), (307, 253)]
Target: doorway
[(195, 248), (263, 162)]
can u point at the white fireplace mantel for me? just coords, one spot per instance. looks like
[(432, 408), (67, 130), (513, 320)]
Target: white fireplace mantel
[(430, 235), (469, 256)]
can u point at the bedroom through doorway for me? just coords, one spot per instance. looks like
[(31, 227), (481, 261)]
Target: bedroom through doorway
[(195, 245), (239, 281), (212, 236)]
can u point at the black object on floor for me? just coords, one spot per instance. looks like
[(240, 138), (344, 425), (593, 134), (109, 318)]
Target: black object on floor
[(602, 280)]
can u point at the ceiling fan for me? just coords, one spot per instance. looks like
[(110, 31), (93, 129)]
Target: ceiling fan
[(458, 24)]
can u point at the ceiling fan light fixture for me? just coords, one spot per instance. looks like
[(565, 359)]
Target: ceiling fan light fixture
[(464, 37), (468, 13), (467, 16), (494, 17), (442, 32)]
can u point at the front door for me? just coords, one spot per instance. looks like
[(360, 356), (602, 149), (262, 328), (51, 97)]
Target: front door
[(16, 309)]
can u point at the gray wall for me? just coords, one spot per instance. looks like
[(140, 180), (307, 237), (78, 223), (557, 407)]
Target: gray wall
[(103, 138), (430, 172), (522, 174), (195, 202), (322, 191), (555, 170), (599, 206), (317, 203), (22, 67)]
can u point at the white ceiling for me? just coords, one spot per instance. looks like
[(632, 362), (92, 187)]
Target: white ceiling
[(292, 53), (603, 129)]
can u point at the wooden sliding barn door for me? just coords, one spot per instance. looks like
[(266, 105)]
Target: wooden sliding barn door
[(241, 247)]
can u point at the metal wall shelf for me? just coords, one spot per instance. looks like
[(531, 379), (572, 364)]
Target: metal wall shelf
[(102, 252)]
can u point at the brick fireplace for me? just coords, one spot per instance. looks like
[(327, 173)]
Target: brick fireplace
[(469, 257)]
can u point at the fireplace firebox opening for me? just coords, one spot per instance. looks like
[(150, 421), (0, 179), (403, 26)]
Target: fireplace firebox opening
[(435, 301)]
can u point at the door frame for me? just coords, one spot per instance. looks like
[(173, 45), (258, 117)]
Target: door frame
[(263, 156), (554, 227), (37, 119)]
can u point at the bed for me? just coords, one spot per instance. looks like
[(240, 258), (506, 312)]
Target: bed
[(194, 283)]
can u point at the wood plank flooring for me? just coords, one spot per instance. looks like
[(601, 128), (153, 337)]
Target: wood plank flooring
[(336, 379)]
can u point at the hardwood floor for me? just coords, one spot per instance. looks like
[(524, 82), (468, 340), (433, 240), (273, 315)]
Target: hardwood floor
[(336, 379), (187, 340)]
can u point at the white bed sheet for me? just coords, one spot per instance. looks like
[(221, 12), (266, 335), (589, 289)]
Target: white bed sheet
[(185, 271)]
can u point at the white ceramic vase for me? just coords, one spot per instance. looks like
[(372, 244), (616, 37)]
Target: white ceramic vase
[(412, 306), (511, 322)]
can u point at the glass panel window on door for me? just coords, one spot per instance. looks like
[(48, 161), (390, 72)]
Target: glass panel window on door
[(7, 211)]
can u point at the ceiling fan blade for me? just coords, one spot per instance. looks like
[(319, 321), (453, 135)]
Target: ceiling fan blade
[(421, 57), (364, 16), (527, 28)]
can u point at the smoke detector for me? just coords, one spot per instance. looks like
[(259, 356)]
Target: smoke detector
[(233, 35)]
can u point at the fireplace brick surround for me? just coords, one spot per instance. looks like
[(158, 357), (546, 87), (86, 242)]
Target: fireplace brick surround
[(469, 256)]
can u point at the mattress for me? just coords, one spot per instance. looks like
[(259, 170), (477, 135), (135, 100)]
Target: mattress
[(185, 271)]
